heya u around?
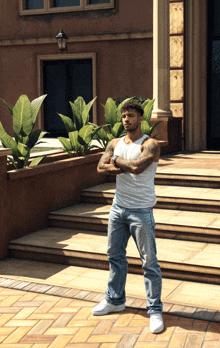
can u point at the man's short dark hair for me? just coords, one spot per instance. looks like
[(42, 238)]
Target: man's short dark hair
[(134, 106)]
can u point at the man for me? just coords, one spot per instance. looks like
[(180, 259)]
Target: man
[(133, 159)]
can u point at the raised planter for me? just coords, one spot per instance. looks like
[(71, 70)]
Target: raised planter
[(29, 194), (51, 156), (169, 133)]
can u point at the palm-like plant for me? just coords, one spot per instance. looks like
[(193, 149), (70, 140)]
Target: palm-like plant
[(113, 121), (148, 105), (24, 116), (80, 131)]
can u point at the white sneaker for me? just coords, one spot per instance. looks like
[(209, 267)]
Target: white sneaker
[(104, 307), (156, 323)]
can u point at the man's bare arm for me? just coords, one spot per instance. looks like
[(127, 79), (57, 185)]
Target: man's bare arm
[(150, 154), (104, 165)]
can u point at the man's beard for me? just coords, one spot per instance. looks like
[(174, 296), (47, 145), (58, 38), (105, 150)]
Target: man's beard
[(133, 128)]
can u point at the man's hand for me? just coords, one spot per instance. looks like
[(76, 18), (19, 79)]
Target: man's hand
[(104, 165), (150, 153)]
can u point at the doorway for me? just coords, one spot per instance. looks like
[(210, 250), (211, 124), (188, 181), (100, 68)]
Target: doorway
[(213, 105), (64, 81)]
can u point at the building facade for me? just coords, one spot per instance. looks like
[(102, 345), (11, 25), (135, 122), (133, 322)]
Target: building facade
[(112, 52)]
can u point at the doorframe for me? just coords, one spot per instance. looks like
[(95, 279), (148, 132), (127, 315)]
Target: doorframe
[(211, 39), (196, 75), (72, 56)]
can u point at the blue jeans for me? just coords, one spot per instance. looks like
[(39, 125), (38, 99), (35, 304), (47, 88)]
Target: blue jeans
[(138, 223)]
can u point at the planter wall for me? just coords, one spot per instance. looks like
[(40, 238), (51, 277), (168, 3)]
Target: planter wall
[(169, 132), (33, 192)]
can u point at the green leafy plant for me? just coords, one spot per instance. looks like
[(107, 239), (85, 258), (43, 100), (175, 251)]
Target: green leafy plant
[(148, 105), (136, 99), (80, 131), (24, 116), (113, 121)]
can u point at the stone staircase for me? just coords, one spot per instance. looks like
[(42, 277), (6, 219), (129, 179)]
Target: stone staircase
[(187, 229)]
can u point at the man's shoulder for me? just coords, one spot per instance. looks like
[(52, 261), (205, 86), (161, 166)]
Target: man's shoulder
[(115, 141), (151, 146), (112, 144), (150, 141)]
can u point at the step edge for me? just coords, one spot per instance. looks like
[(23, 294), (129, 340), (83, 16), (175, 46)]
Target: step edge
[(187, 177), (102, 257), (162, 226), (165, 199)]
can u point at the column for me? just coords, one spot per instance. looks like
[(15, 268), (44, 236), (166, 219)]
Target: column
[(161, 59)]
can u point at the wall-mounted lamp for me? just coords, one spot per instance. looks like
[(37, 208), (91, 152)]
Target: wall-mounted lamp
[(62, 41)]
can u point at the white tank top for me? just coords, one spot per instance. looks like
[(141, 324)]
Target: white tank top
[(134, 190)]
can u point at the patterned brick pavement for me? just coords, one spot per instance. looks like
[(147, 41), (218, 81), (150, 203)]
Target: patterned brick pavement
[(39, 320), (133, 302)]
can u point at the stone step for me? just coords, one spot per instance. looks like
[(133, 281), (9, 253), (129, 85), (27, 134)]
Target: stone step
[(187, 180), (200, 169), (183, 260), (172, 224), (168, 197)]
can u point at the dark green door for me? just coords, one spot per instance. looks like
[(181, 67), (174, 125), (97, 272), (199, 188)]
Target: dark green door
[(213, 105), (64, 81)]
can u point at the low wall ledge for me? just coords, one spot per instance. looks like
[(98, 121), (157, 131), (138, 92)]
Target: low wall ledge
[(163, 142), (5, 152), (17, 174)]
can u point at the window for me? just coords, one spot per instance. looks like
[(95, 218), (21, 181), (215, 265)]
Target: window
[(65, 3), (94, 2), (34, 5), (28, 7)]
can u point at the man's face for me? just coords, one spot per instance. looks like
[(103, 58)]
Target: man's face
[(131, 120)]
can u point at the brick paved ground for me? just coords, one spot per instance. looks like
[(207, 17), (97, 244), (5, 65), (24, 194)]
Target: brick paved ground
[(29, 319)]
